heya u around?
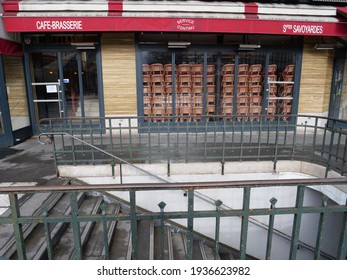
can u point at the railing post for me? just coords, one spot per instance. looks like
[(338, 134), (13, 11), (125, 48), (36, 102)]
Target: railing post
[(331, 145), (130, 141), (75, 225), (342, 252), (47, 233), (133, 225), (17, 227), (297, 222), (218, 204), (105, 231), (244, 223), (273, 202), (190, 224), (162, 228), (344, 158), (320, 228)]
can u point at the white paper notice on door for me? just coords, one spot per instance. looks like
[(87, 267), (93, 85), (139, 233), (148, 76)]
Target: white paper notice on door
[(51, 88)]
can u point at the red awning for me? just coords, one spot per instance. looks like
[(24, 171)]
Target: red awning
[(10, 48), (172, 16)]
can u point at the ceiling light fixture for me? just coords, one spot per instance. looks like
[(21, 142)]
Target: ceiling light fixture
[(248, 47), (179, 45), (324, 46)]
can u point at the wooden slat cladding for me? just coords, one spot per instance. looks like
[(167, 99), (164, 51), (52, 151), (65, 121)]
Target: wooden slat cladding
[(119, 74), (316, 76), (15, 83)]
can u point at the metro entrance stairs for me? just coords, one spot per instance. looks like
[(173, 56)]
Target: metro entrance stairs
[(30, 162), (119, 233)]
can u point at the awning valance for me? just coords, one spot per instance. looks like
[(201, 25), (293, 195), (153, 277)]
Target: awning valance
[(172, 16)]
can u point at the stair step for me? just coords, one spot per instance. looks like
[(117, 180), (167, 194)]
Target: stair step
[(95, 247), (145, 230), (179, 245), (65, 248), (92, 236), (36, 245), (120, 247), (167, 252), (32, 206)]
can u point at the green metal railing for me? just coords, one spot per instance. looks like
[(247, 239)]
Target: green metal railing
[(326, 210), (136, 140)]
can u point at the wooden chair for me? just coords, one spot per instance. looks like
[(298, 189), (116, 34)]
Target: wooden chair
[(211, 69), (158, 101), (227, 100), (227, 112), (197, 113), (157, 69), (197, 90), (243, 69), (210, 99), (286, 111), (255, 100), (272, 90), (255, 90), (271, 112), (272, 69), (255, 112), (242, 90), (242, 112), (242, 100), (158, 80), (169, 80), (228, 80), (210, 79), (255, 80), (147, 90), (197, 80), (197, 69), (183, 69), (184, 90), (184, 80), (168, 69), (228, 69), (158, 90), (288, 70), (210, 109), (159, 114), (146, 80), (255, 69), (272, 77), (242, 80), (146, 69), (228, 90), (287, 90)]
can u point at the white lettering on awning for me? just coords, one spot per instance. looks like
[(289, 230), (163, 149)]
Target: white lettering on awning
[(59, 25)]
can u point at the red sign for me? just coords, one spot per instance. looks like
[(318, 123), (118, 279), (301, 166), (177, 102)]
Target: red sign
[(113, 23)]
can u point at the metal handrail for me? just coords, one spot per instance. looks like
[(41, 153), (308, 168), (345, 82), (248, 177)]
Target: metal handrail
[(49, 134), (298, 210), (196, 193)]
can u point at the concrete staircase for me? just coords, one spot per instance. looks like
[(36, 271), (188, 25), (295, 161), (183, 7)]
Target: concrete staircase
[(92, 241)]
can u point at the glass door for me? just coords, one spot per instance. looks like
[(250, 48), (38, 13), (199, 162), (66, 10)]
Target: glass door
[(46, 90), (64, 84), (80, 84), (338, 98)]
